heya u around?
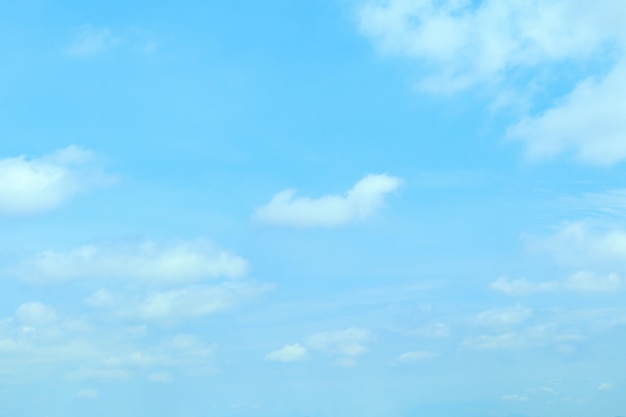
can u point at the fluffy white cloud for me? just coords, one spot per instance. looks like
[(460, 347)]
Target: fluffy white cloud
[(92, 41), (502, 316), (582, 281), (360, 202), (589, 122), (29, 186), (416, 356), (151, 262), (463, 43), (288, 353)]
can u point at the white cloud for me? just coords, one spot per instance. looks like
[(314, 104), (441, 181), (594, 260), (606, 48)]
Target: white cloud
[(464, 43), (502, 316), (345, 344), (416, 356), (30, 186), (514, 397), (88, 393), (577, 244), (360, 202), (605, 386), (495, 342), (92, 41), (582, 282), (589, 121), (288, 353), (85, 373), (196, 301), (160, 377), (177, 304), (35, 314), (149, 261), (461, 44)]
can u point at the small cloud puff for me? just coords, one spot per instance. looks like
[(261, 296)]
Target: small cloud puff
[(31, 186), (360, 202), (288, 353)]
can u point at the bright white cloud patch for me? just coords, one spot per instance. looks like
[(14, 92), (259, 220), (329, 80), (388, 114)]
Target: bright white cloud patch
[(288, 353), (29, 186), (589, 122), (149, 261), (360, 202), (582, 281), (460, 44), (465, 43), (91, 42)]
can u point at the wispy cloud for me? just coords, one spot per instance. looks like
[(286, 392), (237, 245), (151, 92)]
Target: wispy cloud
[(582, 282), (30, 186), (92, 41), (148, 261), (360, 202)]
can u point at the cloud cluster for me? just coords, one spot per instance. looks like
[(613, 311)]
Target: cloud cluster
[(360, 202), (30, 186), (462, 44)]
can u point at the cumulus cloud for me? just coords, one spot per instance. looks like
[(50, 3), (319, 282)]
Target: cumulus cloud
[(92, 41), (288, 353), (30, 186), (360, 202), (582, 282), (148, 261), (460, 44)]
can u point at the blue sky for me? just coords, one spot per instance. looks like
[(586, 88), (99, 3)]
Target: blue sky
[(312, 209)]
